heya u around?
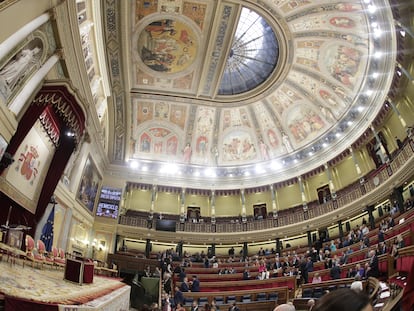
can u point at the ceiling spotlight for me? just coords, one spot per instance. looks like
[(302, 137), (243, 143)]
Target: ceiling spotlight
[(377, 55), (209, 172), (133, 164), (169, 168), (275, 165), (372, 8), (259, 169), (377, 33)]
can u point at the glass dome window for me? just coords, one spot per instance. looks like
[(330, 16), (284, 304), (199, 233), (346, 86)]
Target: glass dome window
[(253, 55)]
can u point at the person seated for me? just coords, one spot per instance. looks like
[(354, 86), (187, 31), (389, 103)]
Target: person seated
[(234, 307), (310, 304), (351, 273), (285, 307), (357, 284), (316, 278), (246, 274)]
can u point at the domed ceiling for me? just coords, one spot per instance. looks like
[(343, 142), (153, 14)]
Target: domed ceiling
[(229, 94)]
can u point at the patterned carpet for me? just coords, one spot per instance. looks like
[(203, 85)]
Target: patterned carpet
[(48, 286)]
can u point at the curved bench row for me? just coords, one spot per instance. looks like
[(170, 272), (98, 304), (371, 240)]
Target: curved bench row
[(263, 299), (283, 281)]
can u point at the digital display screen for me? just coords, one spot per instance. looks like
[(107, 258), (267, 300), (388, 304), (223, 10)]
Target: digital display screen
[(108, 205)]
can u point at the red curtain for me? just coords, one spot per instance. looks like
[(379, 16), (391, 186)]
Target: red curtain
[(56, 168), (61, 103)]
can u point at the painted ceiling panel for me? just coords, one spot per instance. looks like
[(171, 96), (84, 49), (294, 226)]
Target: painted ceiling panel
[(195, 82)]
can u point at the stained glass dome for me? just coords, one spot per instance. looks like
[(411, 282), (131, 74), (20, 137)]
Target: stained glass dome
[(252, 57)]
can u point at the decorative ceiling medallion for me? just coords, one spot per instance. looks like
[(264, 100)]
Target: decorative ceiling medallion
[(167, 46)]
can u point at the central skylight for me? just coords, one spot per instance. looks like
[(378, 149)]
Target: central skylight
[(253, 55)]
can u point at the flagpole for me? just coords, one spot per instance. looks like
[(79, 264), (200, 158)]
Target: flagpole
[(8, 216)]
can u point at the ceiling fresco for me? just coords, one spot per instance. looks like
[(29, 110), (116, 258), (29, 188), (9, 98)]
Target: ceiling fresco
[(176, 55)]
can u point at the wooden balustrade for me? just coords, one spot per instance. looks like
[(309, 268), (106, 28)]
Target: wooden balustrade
[(295, 214)]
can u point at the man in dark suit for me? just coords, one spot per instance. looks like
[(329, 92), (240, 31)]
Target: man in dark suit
[(182, 274), (373, 268), (234, 307), (246, 274), (178, 296), (335, 271), (195, 287), (194, 307), (184, 286)]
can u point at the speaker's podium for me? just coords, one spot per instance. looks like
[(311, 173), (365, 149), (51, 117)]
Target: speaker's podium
[(79, 270)]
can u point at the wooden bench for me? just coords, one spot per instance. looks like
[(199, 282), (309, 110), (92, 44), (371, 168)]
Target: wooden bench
[(288, 281), (326, 276), (316, 290), (201, 270), (204, 277), (247, 300)]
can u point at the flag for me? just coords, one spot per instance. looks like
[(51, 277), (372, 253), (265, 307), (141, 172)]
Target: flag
[(47, 231)]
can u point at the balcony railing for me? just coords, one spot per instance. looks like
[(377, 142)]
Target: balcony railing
[(372, 181)]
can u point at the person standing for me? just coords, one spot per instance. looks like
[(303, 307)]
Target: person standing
[(335, 271), (357, 284), (304, 270), (195, 287), (373, 268), (400, 144), (178, 296), (184, 286)]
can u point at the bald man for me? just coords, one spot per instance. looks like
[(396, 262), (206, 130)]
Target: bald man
[(285, 307)]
